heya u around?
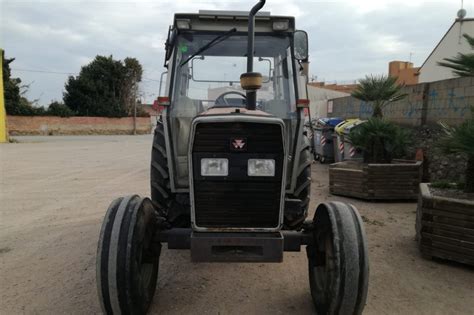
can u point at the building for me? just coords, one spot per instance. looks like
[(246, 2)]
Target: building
[(345, 88), (449, 46), (319, 97), (404, 71), (152, 111)]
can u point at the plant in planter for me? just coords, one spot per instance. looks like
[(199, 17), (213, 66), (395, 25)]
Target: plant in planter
[(380, 140), (460, 139), (445, 214), (379, 91), (379, 176)]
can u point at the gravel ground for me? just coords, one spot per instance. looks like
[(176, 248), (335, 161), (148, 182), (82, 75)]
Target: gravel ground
[(54, 193)]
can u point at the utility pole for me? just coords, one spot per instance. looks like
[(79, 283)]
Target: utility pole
[(135, 118), (3, 120), (134, 95)]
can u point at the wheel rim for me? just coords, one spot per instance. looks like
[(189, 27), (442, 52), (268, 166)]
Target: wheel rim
[(145, 258), (324, 266)]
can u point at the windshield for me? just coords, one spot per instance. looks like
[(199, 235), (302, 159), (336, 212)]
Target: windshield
[(211, 78)]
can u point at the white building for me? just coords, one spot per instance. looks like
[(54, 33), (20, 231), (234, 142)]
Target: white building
[(449, 46), (318, 100)]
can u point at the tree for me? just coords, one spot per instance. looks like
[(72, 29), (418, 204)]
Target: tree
[(463, 64), (380, 91), (460, 139), (132, 76), (11, 88), (15, 101), (104, 87), (59, 109)]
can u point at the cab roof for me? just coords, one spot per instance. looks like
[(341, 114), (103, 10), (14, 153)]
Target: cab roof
[(216, 20)]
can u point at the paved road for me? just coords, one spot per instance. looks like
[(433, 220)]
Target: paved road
[(54, 193)]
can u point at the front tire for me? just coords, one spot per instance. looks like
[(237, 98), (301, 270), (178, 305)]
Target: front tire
[(338, 260), (296, 209), (175, 207), (127, 257)]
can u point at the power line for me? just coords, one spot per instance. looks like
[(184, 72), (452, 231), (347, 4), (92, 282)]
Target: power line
[(70, 73), (44, 71)]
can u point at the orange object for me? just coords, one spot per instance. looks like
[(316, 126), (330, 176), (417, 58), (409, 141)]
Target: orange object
[(419, 156)]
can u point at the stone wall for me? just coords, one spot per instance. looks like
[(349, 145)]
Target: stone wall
[(437, 165), (448, 101), (52, 125)]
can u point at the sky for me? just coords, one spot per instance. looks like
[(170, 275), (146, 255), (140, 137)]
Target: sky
[(52, 39)]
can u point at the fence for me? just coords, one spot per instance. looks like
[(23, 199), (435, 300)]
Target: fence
[(448, 101)]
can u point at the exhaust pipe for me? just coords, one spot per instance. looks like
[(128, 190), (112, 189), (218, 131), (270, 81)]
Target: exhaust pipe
[(251, 81)]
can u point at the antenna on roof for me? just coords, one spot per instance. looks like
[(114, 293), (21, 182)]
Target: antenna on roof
[(462, 12)]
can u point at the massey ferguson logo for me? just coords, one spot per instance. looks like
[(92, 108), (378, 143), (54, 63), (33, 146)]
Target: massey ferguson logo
[(238, 144)]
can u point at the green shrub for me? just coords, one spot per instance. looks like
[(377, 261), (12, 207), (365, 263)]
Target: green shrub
[(445, 184), (380, 140), (460, 139)]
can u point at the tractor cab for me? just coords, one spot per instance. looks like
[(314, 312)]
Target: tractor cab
[(206, 54)]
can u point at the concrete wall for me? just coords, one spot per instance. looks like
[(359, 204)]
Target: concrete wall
[(449, 46), (319, 97), (52, 125), (448, 101)]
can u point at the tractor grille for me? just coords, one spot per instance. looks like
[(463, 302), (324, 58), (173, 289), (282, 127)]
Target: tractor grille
[(237, 200)]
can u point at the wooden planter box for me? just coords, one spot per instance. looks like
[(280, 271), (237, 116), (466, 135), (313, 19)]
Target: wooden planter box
[(445, 227), (396, 181)]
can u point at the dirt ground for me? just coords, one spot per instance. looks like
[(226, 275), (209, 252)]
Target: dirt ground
[(54, 193)]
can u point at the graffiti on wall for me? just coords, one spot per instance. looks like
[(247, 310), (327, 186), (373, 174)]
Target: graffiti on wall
[(454, 105), (444, 100)]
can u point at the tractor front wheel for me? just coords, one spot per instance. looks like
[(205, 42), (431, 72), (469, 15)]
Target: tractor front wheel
[(338, 260), (127, 257)]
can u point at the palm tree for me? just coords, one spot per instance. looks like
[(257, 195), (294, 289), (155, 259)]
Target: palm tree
[(380, 140), (462, 64), (380, 91), (460, 139)]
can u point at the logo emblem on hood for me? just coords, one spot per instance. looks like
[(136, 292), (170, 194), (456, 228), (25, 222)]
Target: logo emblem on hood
[(238, 144)]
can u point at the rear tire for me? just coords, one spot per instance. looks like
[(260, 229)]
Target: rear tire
[(127, 257), (296, 212), (175, 207), (338, 260)]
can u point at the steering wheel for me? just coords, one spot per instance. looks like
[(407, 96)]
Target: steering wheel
[(221, 100)]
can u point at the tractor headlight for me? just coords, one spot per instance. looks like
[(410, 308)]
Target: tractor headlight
[(214, 167), (261, 167)]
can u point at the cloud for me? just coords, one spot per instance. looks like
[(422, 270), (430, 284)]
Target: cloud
[(348, 39)]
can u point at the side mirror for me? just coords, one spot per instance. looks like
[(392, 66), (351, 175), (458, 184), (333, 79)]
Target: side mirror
[(300, 39)]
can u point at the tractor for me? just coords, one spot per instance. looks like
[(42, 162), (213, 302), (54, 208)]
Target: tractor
[(231, 168)]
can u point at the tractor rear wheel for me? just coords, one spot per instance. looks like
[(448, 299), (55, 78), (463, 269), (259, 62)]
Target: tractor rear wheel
[(338, 260), (127, 257), (175, 207), (296, 208)]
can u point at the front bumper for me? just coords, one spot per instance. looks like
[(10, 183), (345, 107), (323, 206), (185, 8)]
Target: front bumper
[(235, 247)]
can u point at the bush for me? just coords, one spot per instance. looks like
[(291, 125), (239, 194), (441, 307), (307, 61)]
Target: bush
[(445, 184), (460, 139), (380, 140), (59, 109), (24, 108)]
